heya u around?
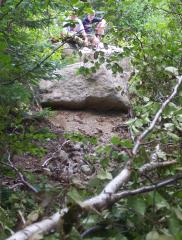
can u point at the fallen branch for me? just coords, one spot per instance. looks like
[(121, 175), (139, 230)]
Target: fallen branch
[(46, 225), (153, 165), (130, 129), (22, 178), (154, 156), (124, 194), (41, 227), (102, 200), (22, 217), (46, 162)]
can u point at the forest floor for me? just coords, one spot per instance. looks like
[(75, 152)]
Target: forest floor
[(79, 150)]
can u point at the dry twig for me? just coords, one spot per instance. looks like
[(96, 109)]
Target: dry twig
[(22, 178)]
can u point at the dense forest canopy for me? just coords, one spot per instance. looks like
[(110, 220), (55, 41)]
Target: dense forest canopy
[(150, 33)]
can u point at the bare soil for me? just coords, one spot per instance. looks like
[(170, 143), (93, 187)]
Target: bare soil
[(102, 125), (65, 160)]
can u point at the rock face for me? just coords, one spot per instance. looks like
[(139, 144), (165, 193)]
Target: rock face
[(100, 91)]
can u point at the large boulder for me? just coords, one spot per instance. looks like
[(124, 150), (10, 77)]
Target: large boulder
[(101, 91)]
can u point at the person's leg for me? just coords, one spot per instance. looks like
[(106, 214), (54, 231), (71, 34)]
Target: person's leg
[(95, 41), (100, 29)]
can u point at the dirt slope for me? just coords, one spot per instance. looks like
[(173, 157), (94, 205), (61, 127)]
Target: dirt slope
[(65, 160), (102, 125)]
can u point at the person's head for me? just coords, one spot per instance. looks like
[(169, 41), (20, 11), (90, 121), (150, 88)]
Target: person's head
[(91, 16), (73, 16), (74, 13)]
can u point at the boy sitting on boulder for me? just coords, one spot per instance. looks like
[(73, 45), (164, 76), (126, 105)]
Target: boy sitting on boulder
[(93, 32)]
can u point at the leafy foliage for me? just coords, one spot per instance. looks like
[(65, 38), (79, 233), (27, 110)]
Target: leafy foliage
[(150, 33)]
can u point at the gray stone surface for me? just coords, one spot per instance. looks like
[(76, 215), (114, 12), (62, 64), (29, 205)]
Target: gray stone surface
[(100, 91)]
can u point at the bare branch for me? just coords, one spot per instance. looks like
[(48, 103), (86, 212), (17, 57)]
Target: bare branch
[(158, 114), (101, 201), (22, 217), (46, 162), (42, 227), (22, 178), (118, 196), (154, 156), (48, 224), (153, 165)]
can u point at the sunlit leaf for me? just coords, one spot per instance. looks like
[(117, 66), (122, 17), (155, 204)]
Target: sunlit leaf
[(153, 235), (172, 70), (102, 175)]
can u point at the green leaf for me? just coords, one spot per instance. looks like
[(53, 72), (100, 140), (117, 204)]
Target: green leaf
[(96, 54), (102, 175), (130, 121), (153, 235), (89, 10), (161, 202), (175, 227), (75, 196), (178, 212), (173, 136), (144, 155), (75, 235), (138, 204), (138, 123), (127, 143), (169, 126), (115, 140), (178, 194), (161, 154), (33, 216), (172, 70), (73, 2)]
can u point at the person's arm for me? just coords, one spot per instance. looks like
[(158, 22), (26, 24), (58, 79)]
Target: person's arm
[(97, 20), (81, 30), (100, 28), (85, 37), (103, 22)]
